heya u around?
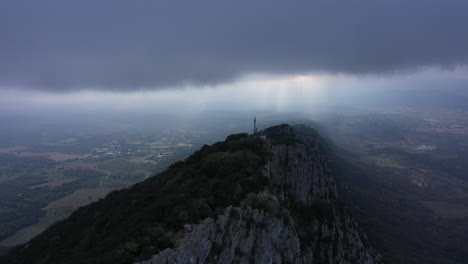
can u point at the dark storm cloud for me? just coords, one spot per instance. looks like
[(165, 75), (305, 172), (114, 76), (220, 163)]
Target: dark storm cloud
[(112, 44)]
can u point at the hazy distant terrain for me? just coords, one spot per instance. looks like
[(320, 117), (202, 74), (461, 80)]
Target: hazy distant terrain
[(47, 171), (407, 173)]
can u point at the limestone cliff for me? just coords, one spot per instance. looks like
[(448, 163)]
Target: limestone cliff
[(296, 219)]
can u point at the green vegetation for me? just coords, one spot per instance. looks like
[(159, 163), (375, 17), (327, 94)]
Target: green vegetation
[(12, 164), (142, 159), (387, 162), (21, 203), (51, 216), (260, 202), (282, 134), (135, 223)]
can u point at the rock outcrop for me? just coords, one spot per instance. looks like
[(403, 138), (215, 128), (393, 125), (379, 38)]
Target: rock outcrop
[(296, 219), (299, 172)]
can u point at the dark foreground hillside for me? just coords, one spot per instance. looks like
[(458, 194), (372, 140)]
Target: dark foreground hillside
[(268, 198)]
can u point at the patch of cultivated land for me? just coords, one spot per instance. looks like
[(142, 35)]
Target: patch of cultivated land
[(83, 165), (79, 198), (56, 211), (51, 155), (386, 162), (66, 141), (142, 159), (450, 210), (53, 184), (57, 156), (27, 233), (12, 149)]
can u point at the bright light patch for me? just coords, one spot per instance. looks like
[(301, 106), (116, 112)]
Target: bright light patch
[(298, 93)]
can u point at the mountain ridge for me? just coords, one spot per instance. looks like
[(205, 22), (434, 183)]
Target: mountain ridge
[(266, 198)]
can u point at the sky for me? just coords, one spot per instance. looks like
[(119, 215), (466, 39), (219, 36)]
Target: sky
[(198, 55)]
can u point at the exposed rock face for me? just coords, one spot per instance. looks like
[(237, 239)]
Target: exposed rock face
[(237, 236), (301, 223), (299, 172)]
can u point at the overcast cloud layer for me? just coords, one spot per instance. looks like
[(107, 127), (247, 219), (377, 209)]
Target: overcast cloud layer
[(123, 45)]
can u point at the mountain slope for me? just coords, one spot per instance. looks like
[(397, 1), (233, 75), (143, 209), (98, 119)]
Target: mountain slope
[(264, 199)]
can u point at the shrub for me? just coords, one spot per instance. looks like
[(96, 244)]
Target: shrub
[(260, 202)]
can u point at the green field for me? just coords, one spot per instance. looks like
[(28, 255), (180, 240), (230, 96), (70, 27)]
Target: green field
[(387, 162), (142, 159), (25, 234), (79, 198), (56, 211)]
